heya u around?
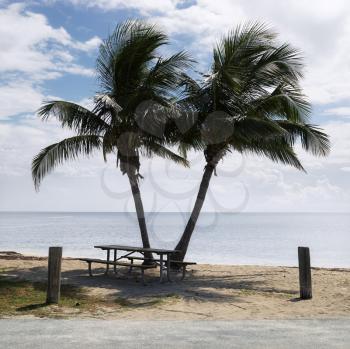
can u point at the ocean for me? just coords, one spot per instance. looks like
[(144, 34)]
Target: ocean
[(221, 238)]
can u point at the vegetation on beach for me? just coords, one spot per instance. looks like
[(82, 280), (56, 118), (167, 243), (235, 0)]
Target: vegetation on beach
[(24, 297), (131, 73), (251, 102), (21, 297), (213, 292)]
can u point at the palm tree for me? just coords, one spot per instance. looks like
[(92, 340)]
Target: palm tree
[(251, 102), (129, 115)]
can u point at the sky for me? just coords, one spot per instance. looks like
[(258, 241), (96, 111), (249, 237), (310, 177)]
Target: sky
[(48, 50)]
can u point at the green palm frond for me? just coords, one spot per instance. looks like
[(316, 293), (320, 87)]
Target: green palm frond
[(73, 116), (124, 56), (167, 72), (238, 51), (276, 65), (131, 72), (255, 81), (311, 137), (244, 43), (185, 147), (286, 102), (107, 108), (108, 102), (189, 85), (257, 128), (57, 153), (157, 149), (277, 150)]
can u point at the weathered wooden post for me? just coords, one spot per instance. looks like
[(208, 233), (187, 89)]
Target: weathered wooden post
[(54, 275), (304, 273)]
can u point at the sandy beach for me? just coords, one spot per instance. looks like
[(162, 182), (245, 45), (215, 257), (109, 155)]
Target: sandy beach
[(212, 292)]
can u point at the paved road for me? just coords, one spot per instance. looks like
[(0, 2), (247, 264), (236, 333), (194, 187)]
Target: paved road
[(104, 334)]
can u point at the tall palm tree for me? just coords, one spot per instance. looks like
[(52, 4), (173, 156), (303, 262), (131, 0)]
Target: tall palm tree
[(133, 79), (251, 102)]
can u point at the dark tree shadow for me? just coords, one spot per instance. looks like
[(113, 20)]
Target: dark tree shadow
[(32, 307), (298, 299)]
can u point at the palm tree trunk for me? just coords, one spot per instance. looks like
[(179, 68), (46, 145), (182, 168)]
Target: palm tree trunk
[(182, 245), (140, 214)]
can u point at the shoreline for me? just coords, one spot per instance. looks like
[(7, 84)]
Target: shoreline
[(9, 255)]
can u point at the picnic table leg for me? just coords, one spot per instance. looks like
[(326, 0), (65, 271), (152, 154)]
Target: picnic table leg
[(161, 268), (130, 268), (115, 259), (90, 272), (143, 277), (108, 259), (168, 266)]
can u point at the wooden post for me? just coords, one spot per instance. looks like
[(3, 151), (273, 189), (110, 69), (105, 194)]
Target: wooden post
[(304, 273), (54, 275)]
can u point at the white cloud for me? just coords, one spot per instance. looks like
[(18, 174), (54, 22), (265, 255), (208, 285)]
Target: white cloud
[(18, 97), (320, 29), (29, 43), (33, 51), (274, 187), (21, 141), (340, 142), (145, 7), (340, 111), (88, 45)]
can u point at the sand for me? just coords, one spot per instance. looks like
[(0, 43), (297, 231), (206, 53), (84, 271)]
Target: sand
[(211, 292)]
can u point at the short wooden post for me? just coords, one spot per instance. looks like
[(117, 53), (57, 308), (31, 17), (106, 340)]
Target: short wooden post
[(54, 275), (304, 273)]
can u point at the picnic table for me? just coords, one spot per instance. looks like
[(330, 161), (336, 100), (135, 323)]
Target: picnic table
[(129, 251)]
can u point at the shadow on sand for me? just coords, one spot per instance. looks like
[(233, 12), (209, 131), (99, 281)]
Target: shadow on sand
[(197, 285)]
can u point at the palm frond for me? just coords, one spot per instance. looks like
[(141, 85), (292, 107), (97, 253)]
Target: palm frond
[(239, 50), (277, 64), (285, 102), (153, 148), (167, 72), (277, 150), (311, 137), (124, 56), (57, 153), (108, 101), (73, 116), (257, 128)]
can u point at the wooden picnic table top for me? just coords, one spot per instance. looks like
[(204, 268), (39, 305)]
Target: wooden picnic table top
[(136, 249)]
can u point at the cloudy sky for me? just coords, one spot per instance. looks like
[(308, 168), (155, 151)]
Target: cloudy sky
[(48, 50)]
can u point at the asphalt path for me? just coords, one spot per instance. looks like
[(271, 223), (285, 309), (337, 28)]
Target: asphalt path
[(259, 334)]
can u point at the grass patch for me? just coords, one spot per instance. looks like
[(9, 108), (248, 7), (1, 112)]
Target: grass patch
[(18, 297)]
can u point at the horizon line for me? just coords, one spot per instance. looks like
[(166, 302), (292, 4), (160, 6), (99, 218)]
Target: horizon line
[(177, 212)]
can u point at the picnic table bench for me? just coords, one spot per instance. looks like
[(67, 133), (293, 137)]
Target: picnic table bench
[(163, 261), (142, 267), (183, 264)]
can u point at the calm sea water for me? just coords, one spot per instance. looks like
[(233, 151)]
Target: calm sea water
[(244, 238)]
